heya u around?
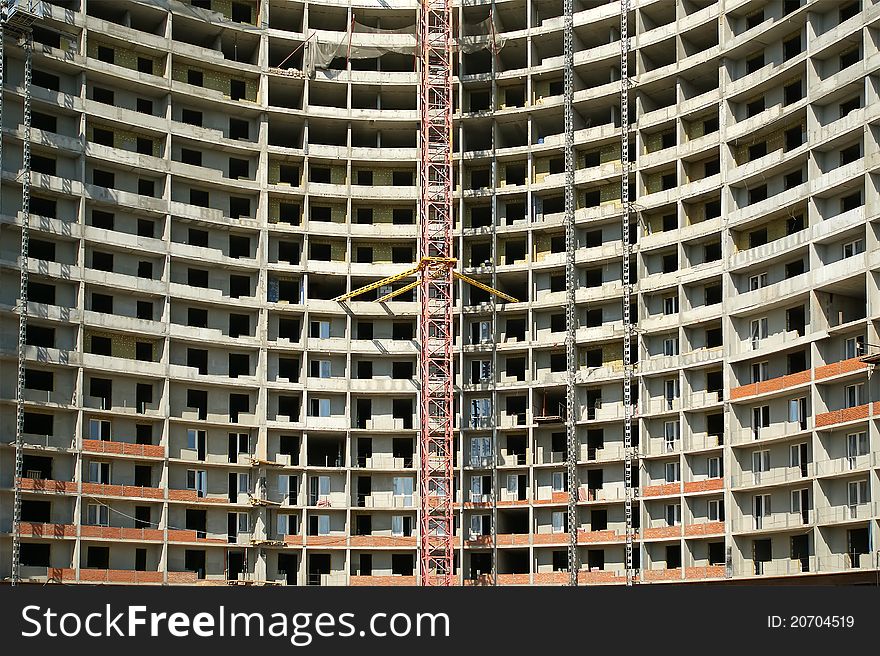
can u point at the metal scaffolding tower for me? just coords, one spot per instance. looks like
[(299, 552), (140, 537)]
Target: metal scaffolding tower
[(16, 18), (436, 480), (629, 452), (570, 289)]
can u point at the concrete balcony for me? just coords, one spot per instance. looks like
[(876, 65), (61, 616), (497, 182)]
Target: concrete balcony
[(775, 476), (775, 522), (702, 442), (661, 490), (777, 384), (846, 465), (334, 422), (849, 513), (119, 576), (389, 500), (660, 405), (846, 415), (764, 345), (701, 356), (129, 491), (123, 448), (702, 399), (748, 435)]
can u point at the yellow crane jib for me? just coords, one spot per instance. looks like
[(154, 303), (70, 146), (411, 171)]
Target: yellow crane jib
[(426, 263)]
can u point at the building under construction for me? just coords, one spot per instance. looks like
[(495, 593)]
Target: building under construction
[(662, 286)]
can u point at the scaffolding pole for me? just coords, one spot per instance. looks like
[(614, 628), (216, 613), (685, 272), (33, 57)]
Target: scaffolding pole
[(17, 18), (496, 451), (629, 455), (570, 292)]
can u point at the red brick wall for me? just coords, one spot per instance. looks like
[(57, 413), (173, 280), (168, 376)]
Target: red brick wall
[(506, 539), (123, 490), (842, 415), (706, 572), (38, 530), (662, 574), (47, 485), (705, 528), (842, 367), (181, 535), (382, 541), (771, 385), (326, 540), (116, 533), (550, 538), (659, 490), (382, 580), (662, 532), (123, 448), (182, 577), (704, 485), (190, 495), (599, 577), (597, 536)]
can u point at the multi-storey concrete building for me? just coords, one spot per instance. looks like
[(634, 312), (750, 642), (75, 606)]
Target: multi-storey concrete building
[(208, 175)]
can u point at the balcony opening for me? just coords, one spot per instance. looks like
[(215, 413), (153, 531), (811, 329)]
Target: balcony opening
[(325, 452), (403, 409)]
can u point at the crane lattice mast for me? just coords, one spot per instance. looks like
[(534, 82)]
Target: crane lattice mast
[(435, 212)]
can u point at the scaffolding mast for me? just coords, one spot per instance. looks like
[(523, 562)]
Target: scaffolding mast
[(17, 17), (495, 451), (629, 455), (435, 211), (570, 291)]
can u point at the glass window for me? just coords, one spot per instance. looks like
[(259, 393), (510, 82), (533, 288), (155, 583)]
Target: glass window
[(857, 492), (853, 395), (760, 371), (481, 447), (761, 461), (853, 248), (856, 444), (99, 429), (559, 522), (98, 515), (758, 281), (403, 486)]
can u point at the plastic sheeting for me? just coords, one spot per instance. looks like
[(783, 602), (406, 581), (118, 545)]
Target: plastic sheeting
[(324, 47), (479, 36), (201, 14)]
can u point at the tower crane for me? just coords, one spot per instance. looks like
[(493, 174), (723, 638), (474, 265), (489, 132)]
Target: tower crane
[(434, 275)]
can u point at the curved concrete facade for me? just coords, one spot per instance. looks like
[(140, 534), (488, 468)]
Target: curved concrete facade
[(204, 183)]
